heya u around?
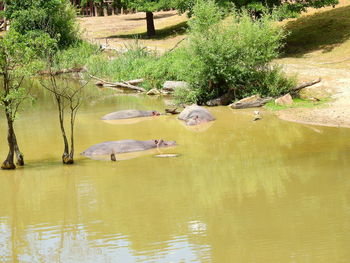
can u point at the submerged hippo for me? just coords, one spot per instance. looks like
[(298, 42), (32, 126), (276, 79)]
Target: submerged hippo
[(125, 146), (194, 115), (127, 114)]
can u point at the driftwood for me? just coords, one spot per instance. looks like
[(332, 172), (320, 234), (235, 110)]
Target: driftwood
[(125, 84), (62, 71), (172, 111), (306, 84), (251, 104)]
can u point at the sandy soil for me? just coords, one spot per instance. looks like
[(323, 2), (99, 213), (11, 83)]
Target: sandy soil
[(117, 31), (335, 84)]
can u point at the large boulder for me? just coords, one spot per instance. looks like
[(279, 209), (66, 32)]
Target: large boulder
[(194, 115), (171, 86), (285, 100)]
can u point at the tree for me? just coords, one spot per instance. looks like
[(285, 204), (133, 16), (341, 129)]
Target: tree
[(68, 98), (149, 7), (16, 62), (54, 17), (291, 8)]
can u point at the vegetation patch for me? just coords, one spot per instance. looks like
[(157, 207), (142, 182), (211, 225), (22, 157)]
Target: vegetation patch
[(297, 103)]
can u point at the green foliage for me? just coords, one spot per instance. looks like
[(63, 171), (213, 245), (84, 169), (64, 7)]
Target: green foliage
[(297, 103), (232, 55), (291, 8), (17, 61), (149, 5), (54, 17), (77, 55)]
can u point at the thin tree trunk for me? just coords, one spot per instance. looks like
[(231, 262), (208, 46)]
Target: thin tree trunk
[(9, 164), (151, 31), (19, 155), (65, 156), (71, 155)]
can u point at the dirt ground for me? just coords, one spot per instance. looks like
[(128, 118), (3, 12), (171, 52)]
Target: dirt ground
[(121, 30), (318, 46), (322, 38), (335, 84)]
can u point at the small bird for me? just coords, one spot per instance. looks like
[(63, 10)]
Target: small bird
[(257, 116), (314, 99)]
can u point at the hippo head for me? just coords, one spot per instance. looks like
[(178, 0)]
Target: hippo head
[(162, 143), (195, 120), (155, 113)]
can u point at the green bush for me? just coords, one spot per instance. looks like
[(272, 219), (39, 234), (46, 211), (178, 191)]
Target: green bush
[(77, 55), (138, 62), (55, 17), (233, 54)]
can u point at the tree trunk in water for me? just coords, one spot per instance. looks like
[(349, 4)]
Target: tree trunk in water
[(71, 154), (9, 164), (150, 24), (65, 157), (19, 155)]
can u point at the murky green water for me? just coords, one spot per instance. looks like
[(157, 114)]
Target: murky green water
[(241, 191)]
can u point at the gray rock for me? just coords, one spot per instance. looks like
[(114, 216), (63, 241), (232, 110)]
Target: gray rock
[(153, 92), (285, 100), (171, 86)]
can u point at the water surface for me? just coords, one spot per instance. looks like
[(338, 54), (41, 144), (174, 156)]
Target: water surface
[(240, 191)]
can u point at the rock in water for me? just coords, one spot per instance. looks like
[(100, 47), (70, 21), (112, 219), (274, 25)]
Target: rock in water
[(153, 92), (167, 155)]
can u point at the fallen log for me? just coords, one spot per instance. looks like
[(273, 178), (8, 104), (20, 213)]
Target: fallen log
[(306, 84), (134, 81), (251, 104), (124, 84), (62, 71)]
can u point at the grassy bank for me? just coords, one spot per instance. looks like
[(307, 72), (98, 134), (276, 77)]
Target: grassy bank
[(223, 54)]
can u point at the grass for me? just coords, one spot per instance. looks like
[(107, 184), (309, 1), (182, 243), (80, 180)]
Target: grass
[(322, 31), (297, 103)]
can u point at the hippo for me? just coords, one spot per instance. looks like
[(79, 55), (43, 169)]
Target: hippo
[(127, 114), (194, 115), (112, 148)]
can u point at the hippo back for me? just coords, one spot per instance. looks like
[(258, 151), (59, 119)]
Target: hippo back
[(127, 114), (124, 146), (195, 111)]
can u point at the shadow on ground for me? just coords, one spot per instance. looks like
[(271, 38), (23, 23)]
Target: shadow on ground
[(171, 31), (321, 31)]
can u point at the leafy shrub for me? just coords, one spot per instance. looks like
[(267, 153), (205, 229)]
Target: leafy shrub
[(138, 62), (233, 54), (77, 55), (55, 17)]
